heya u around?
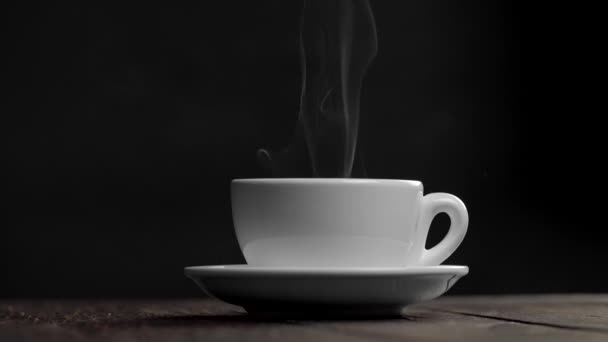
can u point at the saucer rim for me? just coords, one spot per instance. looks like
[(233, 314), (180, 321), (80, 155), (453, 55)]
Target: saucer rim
[(244, 269)]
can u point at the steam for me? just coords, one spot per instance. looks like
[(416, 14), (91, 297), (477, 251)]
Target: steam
[(338, 42)]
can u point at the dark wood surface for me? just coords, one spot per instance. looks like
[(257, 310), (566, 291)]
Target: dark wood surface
[(472, 318)]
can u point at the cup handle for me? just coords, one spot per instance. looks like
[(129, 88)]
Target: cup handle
[(433, 204)]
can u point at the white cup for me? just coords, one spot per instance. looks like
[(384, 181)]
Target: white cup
[(336, 222)]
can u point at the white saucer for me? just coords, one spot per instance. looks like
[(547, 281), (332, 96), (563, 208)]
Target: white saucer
[(327, 291)]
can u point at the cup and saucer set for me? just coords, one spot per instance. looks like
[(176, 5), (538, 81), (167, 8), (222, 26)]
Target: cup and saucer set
[(335, 246)]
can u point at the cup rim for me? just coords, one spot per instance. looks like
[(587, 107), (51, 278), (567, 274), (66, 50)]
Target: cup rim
[(309, 181)]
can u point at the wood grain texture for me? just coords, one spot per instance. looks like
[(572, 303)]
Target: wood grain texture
[(478, 318)]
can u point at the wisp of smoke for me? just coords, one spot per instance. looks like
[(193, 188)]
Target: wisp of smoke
[(338, 42)]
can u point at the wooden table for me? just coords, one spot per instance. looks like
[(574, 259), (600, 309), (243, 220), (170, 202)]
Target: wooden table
[(489, 318)]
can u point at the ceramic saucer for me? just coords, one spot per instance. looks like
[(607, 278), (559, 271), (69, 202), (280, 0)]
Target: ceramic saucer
[(325, 290)]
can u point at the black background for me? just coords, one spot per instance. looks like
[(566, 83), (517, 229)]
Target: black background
[(125, 123)]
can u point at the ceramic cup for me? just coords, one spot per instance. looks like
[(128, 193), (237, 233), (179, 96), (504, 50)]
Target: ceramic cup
[(334, 222)]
